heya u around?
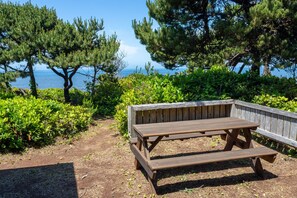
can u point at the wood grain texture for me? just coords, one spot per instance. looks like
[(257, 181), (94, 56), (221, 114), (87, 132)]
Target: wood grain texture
[(181, 104), (266, 109), (173, 115), (198, 113), (191, 126), (183, 136), (182, 161), (142, 160)]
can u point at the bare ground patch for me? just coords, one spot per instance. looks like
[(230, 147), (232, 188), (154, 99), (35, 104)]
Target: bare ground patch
[(100, 164)]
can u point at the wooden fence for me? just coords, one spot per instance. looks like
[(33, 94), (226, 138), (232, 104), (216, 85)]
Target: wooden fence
[(275, 124)]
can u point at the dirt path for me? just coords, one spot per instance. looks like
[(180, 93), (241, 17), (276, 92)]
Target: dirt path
[(100, 164)]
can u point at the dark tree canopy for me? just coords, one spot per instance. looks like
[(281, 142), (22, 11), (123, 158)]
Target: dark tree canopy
[(200, 33)]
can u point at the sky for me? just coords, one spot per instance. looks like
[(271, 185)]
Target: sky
[(117, 16)]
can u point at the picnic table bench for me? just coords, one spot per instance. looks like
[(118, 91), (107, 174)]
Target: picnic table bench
[(229, 128)]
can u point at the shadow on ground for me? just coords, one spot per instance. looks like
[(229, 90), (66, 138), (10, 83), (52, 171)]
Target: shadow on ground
[(56, 180), (219, 180)]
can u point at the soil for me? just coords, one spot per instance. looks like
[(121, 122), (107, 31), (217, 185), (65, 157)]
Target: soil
[(100, 164)]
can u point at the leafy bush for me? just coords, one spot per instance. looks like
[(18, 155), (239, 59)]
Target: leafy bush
[(36, 122), (6, 94), (279, 102), (216, 83), (220, 83), (106, 95), (141, 89), (77, 96)]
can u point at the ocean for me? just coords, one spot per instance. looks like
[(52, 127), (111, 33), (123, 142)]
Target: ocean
[(46, 78)]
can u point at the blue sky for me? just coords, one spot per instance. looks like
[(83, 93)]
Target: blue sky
[(117, 16)]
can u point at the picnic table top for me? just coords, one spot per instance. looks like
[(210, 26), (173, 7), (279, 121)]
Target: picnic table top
[(192, 126)]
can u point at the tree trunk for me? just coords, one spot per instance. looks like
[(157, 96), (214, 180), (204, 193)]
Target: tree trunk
[(33, 85), (66, 86), (266, 71), (93, 82), (6, 80), (256, 66), (241, 68)]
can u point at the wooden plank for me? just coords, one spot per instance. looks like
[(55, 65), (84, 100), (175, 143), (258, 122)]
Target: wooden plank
[(206, 158), (159, 115), (228, 110), (204, 112), (280, 125), (192, 113), (131, 121), (192, 126), (173, 115), (166, 115), (153, 116), (287, 127), (146, 117), (248, 114), (266, 109), (252, 115), (293, 133), (222, 111), (185, 113), (179, 114), (183, 136), (267, 121), (216, 111), (233, 112), (142, 160), (262, 119), (243, 113), (273, 124), (139, 117), (181, 104), (210, 112), (257, 116), (198, 113), (277, 137), (239, 109)]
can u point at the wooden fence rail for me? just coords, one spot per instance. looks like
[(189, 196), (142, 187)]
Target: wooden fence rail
[(275, 124)]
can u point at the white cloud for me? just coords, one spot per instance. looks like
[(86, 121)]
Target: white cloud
[(134, 55), (129, 50)]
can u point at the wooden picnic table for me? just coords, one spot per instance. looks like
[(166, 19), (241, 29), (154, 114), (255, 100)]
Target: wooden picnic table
[(231, 127)]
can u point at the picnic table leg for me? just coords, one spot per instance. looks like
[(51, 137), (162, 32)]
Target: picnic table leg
[(138, 144), (231, 139), (153, 183), (256, 163)]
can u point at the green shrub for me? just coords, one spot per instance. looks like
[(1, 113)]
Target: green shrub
[(141, 89), (77, 96), (220, 83), (279, 102), (6, 94), (216, 83), (35, 122), (106, 95)]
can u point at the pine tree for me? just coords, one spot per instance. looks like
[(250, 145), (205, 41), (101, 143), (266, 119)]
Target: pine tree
[(71, 46), (22, 27)]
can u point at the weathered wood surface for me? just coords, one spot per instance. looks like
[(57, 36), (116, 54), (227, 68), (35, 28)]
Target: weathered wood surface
[(192, 126), (171, 112), (183, 137), (181, 105), (191, 160), (274, 123)]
